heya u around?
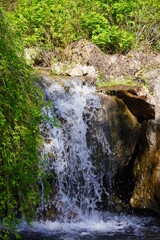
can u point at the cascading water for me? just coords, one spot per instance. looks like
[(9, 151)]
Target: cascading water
[(79, 185)]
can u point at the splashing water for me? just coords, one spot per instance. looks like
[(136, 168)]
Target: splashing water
[(79, 186), (110, 226)]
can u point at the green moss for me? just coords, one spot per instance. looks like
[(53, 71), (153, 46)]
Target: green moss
[(109, 83)]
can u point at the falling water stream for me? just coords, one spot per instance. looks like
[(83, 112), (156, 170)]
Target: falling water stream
[(79, 190)]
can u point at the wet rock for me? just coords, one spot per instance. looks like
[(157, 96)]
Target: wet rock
[(47, 140), (137, 99), (147, 169), (122, 129)]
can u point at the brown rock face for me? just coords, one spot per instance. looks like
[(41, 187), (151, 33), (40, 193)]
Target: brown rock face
[(147, 169), (137, 99), (115, 121)]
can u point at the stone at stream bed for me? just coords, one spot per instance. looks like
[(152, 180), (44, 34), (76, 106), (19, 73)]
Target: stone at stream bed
[(137, 99)]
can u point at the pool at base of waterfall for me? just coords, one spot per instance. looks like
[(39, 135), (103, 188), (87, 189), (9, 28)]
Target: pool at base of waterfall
[(104, 226)]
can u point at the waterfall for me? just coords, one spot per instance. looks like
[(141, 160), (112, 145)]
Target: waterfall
[(79, 185), (81, 156)]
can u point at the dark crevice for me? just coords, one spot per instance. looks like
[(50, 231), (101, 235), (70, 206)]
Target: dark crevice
[(125, 180)]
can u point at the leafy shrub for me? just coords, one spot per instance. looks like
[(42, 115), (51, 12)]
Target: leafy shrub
[(114, 39), (53, 23), (20, 114), (114, 25)]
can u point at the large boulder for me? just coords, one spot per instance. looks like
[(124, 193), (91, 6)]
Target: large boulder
[(120, 130)]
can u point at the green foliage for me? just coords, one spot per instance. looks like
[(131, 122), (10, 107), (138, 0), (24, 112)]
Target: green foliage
[(148, 18), (114, 25), (20, 115), (56, 23)]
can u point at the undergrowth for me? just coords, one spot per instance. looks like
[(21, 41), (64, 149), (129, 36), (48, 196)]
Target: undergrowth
[(20, 114), (113, 25)]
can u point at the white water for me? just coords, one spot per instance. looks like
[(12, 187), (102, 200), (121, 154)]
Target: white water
[(108, 226), (79, 185)]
